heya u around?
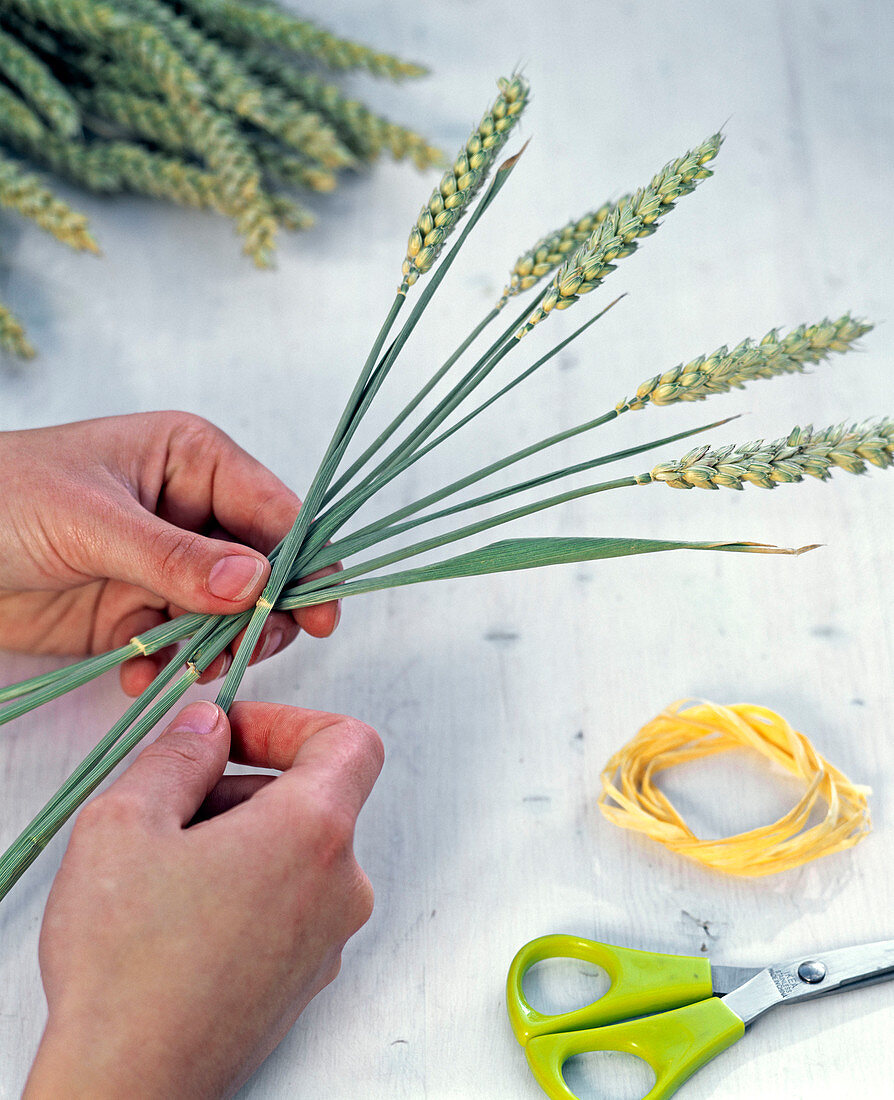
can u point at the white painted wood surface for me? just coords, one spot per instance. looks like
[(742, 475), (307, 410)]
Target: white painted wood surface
[(500, 700)]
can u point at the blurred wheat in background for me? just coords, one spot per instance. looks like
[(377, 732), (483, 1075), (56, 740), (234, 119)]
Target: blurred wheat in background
[(223, 105)]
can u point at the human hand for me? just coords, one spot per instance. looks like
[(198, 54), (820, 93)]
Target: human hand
[(110, 527), (175, 955)]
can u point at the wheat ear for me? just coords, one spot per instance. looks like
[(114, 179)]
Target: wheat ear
[(459, 185), (12, 335), (553, 249), (725, 370), (364, 132), (239, 22), (38, 85), (24, 193), (99, 24), (618, 235), (784, 461)]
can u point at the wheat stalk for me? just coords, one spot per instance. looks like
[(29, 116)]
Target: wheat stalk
[(618, 235), (784, 461), (724, 370), (460, 185)]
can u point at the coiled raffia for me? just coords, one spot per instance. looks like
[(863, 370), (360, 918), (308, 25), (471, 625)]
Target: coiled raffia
[(681, 733)]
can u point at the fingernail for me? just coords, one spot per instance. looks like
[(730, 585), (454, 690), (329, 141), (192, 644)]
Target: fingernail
[(271, 644), (234, 576), (201, 717)]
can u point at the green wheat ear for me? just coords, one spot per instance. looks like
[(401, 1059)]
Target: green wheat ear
[(458, 186), (724, 370), (259, 22), (12, 335), (553, 249), (27, 195), (39, 87), (618, 235), (785, 461)]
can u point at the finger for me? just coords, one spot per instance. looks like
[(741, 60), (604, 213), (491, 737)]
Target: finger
[(209, 476), (171, 778), (218, 667), (137, 674), (229, 791), (279, 630), (274, 735), (325, 788), (269, 735), (184, 568), (320, 620)]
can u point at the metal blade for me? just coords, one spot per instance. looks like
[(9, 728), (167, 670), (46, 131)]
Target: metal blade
[(811, 976), (725, 979)]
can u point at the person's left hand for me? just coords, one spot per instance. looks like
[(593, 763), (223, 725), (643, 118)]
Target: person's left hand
[(110, 527), (195, 914)]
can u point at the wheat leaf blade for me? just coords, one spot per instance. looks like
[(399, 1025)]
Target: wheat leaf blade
[(516, 554)]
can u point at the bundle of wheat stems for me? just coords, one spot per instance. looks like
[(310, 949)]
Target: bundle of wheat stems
[(206, 103), (579, 256)]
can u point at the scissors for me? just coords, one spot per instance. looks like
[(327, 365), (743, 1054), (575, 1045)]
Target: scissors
[(675, 1012)]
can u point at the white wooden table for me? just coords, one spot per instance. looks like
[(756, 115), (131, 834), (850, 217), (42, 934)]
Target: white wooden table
[(500, 699)]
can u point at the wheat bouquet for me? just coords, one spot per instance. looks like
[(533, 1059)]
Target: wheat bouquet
[(578, 257), (215, 104)]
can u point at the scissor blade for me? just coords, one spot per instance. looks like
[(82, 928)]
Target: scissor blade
[(725, 979), (811, 976)]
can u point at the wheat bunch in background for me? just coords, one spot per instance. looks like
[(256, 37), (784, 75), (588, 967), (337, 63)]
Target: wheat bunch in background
[(214, 104)]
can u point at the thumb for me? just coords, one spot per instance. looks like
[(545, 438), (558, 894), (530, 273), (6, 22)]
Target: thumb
[(170, 779), (184, 568)]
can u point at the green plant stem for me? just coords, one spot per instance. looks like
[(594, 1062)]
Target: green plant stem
[(360, 399), (435, 542), (519, 378), (73, 676), (402, 455), (388, 527), (384, 436), (330, 522), (117, 743)]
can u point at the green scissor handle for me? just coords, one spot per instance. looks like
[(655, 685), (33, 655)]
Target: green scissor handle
[(641, 982), (675, 1044)]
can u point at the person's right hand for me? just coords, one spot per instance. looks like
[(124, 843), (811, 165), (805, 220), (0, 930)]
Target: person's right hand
[(195, 914)]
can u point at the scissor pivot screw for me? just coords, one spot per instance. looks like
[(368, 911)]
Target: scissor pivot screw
[(812, 972)]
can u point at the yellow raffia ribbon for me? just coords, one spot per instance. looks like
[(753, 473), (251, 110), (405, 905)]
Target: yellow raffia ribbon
[(681, 733)]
